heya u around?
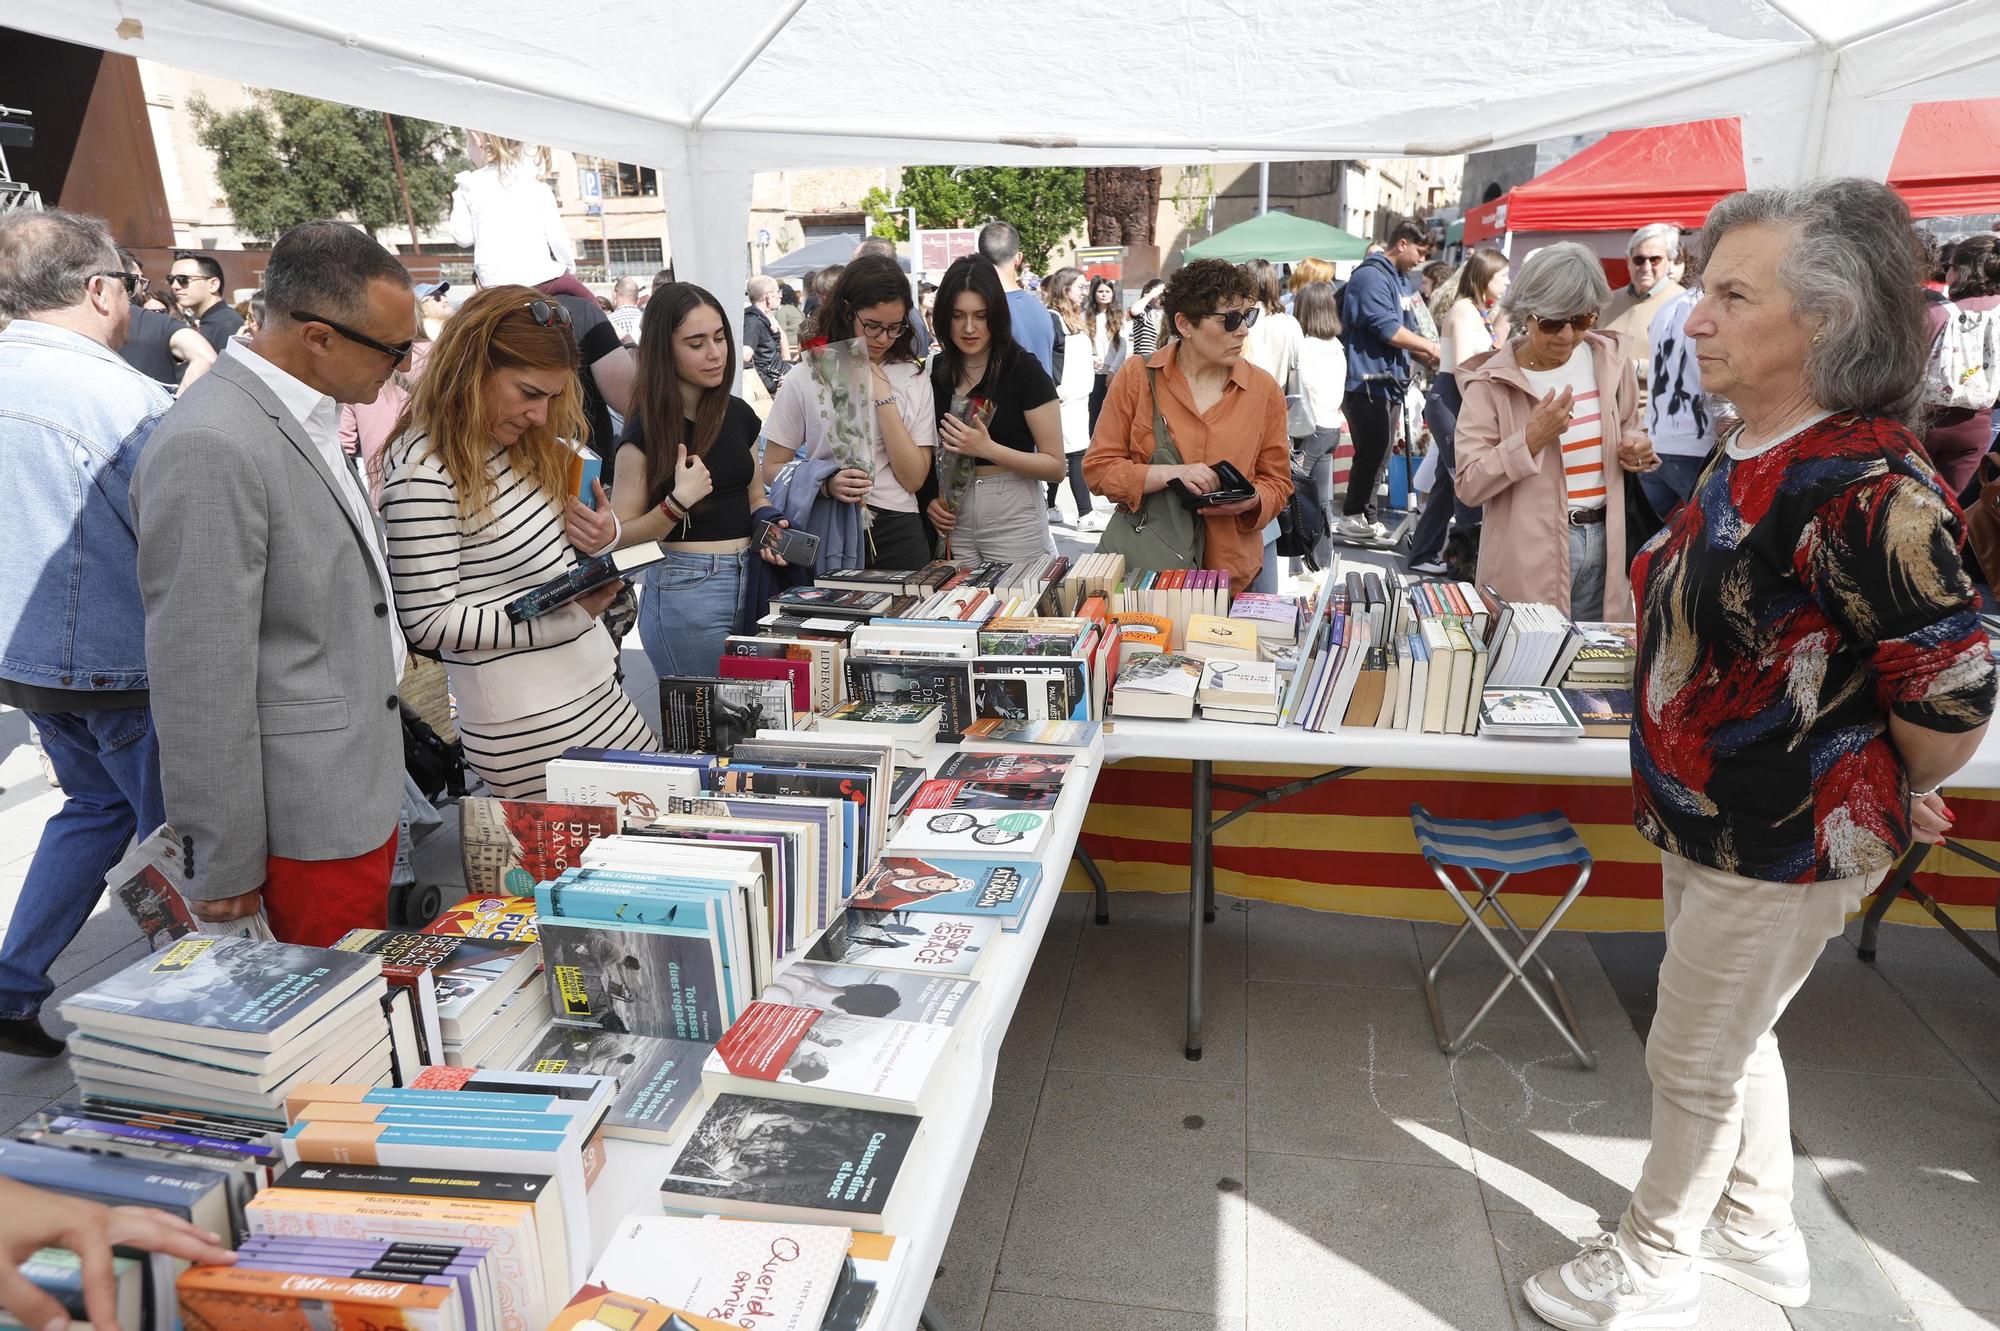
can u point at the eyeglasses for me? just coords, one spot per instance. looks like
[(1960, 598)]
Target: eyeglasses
[(395, 351), (1646, 260), (182, 279), (1236, 319), (869, 328), (134, 283), (1583, 323), (548, 313)]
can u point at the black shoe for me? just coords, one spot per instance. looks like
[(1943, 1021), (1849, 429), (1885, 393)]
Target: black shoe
[(24, 1036)]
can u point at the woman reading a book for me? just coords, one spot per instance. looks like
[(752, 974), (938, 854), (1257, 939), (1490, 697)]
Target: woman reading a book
[(871, 302), (687, 478), (478, 504), (999, 424)]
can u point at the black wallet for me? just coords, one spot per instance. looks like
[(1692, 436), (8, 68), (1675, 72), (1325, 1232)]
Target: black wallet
[(1231, 487)]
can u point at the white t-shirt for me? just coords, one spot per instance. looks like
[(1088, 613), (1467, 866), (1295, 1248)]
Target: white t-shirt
[(792, 424), (1323, 372), (510, 221), (1582, 443), (1272, 342)]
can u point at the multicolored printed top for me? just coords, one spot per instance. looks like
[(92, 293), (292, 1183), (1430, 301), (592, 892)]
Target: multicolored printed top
[(1802, 595)]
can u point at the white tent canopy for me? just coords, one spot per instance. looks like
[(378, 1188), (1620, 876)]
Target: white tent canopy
[(710, 93)]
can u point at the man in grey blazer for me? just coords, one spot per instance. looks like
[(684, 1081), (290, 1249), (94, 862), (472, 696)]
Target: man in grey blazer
[(273, 652)]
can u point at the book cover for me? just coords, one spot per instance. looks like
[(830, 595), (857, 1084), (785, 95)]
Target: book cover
[(744, 1274), (906, 940), (639, 789), (585, 576), (796, 674), (465, 972), (596, 1308), (998, 736), (759, 1156), (1167, 673), (1531, 710), (507, 919), (630, 980), (708, 714), (820, 1057), (857, 712), (940, 794), (1603, 713), (510, 845), (939, 1000), (228, 1298), (950, 887), (239, 992), (977, 833), (659, 1080), (945, 684)]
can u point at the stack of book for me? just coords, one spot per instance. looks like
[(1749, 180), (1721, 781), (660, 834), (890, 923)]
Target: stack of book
[(1233, 689), (1220, 638), (1157, 684), (1095, 574), (308, 1281), (1144, 632), (456, 1000), (229, 1026), (1176, 594), (911, 726)]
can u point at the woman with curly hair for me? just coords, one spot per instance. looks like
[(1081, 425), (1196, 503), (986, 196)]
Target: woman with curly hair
[(476, 501), (1217, 407)]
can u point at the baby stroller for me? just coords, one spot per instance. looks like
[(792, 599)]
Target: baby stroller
[(435, 773)]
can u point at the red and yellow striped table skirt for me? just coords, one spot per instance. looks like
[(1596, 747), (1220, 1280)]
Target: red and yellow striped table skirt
[(1346, 845)]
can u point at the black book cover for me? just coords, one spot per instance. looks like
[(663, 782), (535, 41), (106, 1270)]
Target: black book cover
[(1041, 770), (659, 984), (946, 684), (657, 1078), (709, 714), (430, 1181), (783, 1153)]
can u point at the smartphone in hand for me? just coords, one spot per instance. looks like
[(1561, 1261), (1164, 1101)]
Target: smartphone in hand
[(788, 543)]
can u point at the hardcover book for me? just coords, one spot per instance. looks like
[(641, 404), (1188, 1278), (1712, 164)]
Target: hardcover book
[(906, 940), (1603, 713), (982, 889), (775, 1159), (819, 1057), (510, 845)]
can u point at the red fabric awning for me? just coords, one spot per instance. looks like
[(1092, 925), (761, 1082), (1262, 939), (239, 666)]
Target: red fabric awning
[(1949, 159)]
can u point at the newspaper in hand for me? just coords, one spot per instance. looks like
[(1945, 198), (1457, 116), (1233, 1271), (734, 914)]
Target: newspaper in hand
[(143, 884), (843, 398)]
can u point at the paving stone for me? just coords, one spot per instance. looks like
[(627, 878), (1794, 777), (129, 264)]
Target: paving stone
[(1294, 945), (1127, 1007), (1025, 1312)]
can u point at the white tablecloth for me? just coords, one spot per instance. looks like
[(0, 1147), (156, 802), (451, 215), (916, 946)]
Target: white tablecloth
[(1226, 741), (925, 1200)]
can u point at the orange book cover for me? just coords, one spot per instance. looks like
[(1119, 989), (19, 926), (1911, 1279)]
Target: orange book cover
[(595, 1306), (338, 1143), (322, 1092), (228, 1298), (510, 919)]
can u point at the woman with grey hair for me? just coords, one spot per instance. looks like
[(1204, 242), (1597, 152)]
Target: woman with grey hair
[(1547, 430), (1811, 668)]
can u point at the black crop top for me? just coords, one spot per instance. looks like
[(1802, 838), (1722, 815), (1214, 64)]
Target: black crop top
[(1024, 386), (732, 463)]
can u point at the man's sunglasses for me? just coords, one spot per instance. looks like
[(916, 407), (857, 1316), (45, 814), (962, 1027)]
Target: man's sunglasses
[(1646, 260), (395, 351), (1236, 319), (182, 279), (1583, 323), (134, 283)]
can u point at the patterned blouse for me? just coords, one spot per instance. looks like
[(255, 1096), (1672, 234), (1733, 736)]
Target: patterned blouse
[(1802, 595)]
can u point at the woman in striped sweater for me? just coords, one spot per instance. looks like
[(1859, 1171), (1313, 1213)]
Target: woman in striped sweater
[(476, 501)]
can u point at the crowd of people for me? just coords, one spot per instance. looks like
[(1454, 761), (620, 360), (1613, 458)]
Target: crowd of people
[(210, 599)]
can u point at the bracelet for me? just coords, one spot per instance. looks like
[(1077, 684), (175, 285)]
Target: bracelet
[(885, 401), (674, 512)]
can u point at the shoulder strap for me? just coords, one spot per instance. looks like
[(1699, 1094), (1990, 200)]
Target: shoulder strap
[(1163, 439)]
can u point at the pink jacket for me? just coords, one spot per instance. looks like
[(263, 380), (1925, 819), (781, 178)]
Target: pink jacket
[(1524, 537)]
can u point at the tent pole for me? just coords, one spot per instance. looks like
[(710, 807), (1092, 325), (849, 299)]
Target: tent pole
[(1263, 188), (1829, 66)]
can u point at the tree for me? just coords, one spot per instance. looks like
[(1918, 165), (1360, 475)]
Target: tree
[(287, 159), (1045, 203), (1121, 203)]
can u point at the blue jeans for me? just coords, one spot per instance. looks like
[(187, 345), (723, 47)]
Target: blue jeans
[(1586, 572), (109, 766), (688, 605), (1669, 487)]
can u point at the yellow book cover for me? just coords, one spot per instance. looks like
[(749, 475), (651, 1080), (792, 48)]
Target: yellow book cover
[(1218, 633)]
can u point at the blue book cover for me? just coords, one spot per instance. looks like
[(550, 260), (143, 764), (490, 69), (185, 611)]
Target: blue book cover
[(700, 762), (940, 886), (432, 1135), (108, 1178)]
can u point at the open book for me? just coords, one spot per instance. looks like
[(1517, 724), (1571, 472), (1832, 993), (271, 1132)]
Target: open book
[(586, 576)]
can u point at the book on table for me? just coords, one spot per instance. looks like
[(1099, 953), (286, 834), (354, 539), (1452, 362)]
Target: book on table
[(726, 1268), (245, 1298), (1016, 768), (509, 919), (985, 889), (1157, 684), (639, 790), (659, 1079), (766, 1158), (303, 1262), (507, 846), (1008, 832), (1271, 617), (912, 727), (1238, 685), (906, 940), (1604, 713), (865, 991), (1215, 637), (595, 1308), (994, 735), (814, 1056), (708, 714), (1527, 711), (470, 977)]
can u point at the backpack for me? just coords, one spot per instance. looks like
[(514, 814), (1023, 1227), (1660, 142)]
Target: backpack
[(1965, 359)]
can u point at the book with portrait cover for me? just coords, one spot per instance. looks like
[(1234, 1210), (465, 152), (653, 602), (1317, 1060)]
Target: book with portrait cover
[(708, 714), (659, 1080), (1045, 772), (924, 681), (240, 993), (770, 1158), (985, 889), (906, 940), (979, 795), (510, 845), (826, 1058)]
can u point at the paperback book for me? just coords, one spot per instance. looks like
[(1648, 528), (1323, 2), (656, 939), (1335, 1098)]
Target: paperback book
[(906, 940), (709, 714), (775, 1159), (983, 889), (659, 1080), (819, 1057), (510, 845), (861, 991)]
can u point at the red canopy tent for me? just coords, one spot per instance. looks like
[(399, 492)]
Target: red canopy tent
[(1948, 162)]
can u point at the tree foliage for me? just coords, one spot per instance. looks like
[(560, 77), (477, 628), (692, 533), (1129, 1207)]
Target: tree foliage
[(287, 159), (1044, 203)]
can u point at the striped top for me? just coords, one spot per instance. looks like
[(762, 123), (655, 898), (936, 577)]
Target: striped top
[(454, 575), (1583, 442)]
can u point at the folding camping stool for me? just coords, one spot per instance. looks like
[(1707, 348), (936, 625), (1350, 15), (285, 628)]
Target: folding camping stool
[(1488, 853)]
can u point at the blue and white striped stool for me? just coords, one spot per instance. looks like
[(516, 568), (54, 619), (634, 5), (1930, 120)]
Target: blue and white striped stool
[(1488, 853)]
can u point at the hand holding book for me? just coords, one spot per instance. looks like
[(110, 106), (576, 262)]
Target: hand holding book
[(590, 527), (31, 1219)]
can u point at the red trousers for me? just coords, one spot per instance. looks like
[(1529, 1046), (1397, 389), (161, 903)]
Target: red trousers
[(316, 901)]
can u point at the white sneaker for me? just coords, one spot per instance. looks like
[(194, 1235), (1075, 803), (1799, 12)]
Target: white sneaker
[(1773, 1267), (1356, 528), (1091, 521), (1601, 1290), (1430, 568)]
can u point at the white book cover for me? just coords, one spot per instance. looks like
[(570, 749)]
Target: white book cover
[(830, 1058), (978, 833), (776, 1277), (640, 790), (907, 940)]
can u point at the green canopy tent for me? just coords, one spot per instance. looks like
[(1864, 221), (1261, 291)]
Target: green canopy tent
[(1281, 238)]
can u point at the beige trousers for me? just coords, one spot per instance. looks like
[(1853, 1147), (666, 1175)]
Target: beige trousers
[(1737, 950)]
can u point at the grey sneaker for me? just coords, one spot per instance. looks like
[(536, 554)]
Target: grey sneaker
[(1773, 1267), (1356, 528), (1601, 1290), (1430, 568)]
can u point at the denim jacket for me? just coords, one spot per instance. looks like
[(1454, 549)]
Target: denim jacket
[(73, 418)]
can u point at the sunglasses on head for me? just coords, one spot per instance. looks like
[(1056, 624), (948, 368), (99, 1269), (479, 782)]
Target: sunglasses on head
[(1236, 319), (548, 313), (1583, 323), (395, 351)]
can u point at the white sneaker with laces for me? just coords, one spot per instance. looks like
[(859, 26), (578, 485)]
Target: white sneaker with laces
[(1601, 1290), (1091, 521), (1430, 568), (1773, 1267), (1356, 528)]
